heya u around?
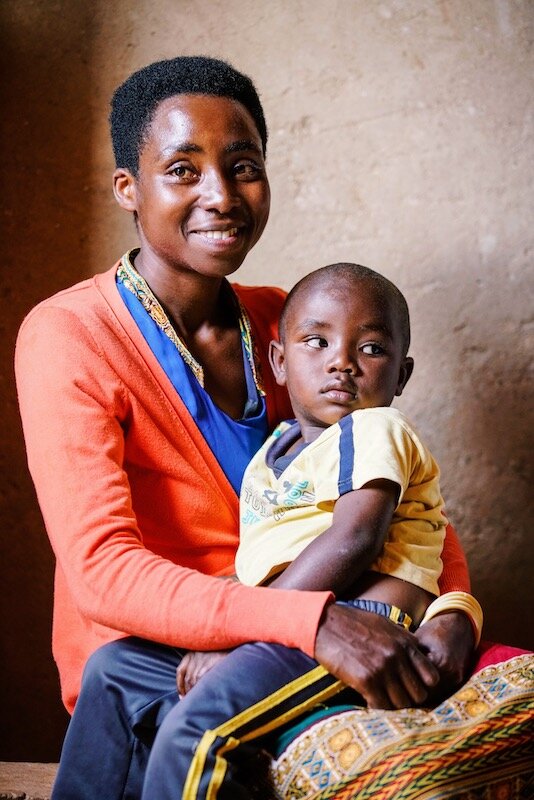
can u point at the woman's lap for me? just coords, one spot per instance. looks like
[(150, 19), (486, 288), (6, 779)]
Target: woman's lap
[(128, 687)]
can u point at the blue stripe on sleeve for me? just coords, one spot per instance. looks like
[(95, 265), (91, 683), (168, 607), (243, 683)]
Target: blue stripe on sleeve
[(346, 455)]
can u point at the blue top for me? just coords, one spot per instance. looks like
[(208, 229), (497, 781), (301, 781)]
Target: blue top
[(232, 442)]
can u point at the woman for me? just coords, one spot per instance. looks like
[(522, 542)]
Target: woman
[(143, 393)]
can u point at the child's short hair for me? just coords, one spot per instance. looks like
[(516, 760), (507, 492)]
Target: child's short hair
[(344, 271), (134, 102)]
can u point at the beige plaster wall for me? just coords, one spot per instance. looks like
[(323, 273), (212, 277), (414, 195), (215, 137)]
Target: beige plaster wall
[(400, 137)]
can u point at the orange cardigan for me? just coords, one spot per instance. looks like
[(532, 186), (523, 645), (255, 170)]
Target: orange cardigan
[(138, 511)]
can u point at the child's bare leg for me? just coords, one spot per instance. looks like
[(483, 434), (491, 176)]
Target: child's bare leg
[(394, 591)]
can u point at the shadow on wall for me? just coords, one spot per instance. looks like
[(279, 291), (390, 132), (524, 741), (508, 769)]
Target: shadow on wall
[(471, 397), (46, 155), (492, 434)]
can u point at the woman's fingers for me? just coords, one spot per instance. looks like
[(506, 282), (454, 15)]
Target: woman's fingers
[(378, 659)]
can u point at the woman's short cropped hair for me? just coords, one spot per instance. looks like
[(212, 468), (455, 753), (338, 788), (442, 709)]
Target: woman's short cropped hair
[(134, 102)]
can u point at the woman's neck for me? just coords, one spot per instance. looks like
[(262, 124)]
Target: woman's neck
[(191, 300)]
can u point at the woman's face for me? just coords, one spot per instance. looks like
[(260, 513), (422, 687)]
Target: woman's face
[(201, 194)]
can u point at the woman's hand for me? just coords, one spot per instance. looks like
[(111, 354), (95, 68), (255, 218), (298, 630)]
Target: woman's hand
[(194, 665), (380, 660), (448, 640)]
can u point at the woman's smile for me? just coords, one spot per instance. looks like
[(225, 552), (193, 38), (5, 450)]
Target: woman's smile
[(219, 235)]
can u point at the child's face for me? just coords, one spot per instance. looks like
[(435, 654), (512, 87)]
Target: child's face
[(342, 351), (201, 194)]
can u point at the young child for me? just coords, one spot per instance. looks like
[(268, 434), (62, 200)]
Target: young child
[(345, 497), (347, 486)]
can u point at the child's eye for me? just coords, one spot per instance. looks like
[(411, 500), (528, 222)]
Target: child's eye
[(372, 349), (316, 342)]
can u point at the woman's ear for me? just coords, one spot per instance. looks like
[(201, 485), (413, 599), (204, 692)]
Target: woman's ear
[(276, 359), (405, 373), (124, 189)]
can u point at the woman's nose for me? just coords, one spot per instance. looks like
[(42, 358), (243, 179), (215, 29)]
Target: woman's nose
[(218, 193)]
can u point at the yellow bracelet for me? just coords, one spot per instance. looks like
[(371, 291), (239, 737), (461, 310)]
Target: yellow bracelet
[(458, 601)]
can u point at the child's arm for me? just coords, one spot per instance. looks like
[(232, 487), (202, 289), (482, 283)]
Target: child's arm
[(338, 560), (334, 560), (330, 561), (339, 556)]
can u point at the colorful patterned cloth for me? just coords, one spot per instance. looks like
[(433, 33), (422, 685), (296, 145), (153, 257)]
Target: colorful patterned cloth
[(477, 745)]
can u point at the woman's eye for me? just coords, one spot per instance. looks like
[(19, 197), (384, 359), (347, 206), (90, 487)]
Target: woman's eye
[(372, 349), (183, 172), (316, 342), (247, 170)]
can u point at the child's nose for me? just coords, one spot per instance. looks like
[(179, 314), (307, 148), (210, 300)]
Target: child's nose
[(342, 360)]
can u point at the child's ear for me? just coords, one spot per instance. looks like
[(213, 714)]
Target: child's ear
[(276, 359), (124, 189), (404, 375)]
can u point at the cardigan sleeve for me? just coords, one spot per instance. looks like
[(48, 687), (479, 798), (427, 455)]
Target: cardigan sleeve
[(455, 575), (75, 412)]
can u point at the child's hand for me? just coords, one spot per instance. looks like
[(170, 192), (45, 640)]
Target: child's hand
[(194, 665)]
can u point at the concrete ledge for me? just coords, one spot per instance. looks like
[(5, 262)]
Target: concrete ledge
[(22, 781)]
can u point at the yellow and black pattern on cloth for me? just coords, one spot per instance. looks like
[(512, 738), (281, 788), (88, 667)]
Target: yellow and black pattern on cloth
[(394, 614), (477, 745), (270, 713)]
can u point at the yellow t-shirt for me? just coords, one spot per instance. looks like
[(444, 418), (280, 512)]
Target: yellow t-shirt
[(286, 501)]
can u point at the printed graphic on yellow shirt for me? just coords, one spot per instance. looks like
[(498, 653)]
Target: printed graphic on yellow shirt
[(272, 503)]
